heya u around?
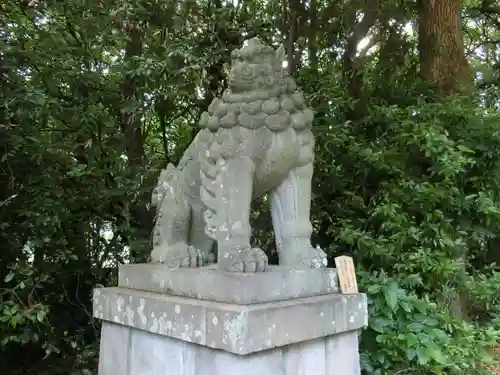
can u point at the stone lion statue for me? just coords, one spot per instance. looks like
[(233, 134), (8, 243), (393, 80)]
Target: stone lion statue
[(256, 139)]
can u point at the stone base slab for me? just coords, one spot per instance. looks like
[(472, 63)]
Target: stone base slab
[(129, 351), (239, 329), (208, 283)]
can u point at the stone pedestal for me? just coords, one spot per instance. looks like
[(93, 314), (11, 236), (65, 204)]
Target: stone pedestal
[(281, 322)]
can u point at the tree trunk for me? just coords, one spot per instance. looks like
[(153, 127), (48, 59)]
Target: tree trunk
[(312, 36), (444, 66), (442, 57), (293, 56), (130, 121), (353, 66)]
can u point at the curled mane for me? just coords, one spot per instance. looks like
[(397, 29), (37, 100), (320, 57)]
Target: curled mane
[(260, 94)]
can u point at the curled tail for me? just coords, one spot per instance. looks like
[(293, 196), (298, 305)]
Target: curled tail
[(167, 188), (210, 183), (163, 186)]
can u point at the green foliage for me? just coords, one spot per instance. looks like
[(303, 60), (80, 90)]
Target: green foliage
[(412, 192), (408, 334), (482, 291), (96, 97), (21, 314)]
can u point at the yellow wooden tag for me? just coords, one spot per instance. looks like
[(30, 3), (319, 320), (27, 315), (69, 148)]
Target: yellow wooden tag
[(346, 274)]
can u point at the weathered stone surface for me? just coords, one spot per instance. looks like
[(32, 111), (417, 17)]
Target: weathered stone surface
[(207, 283), (255, 139), (237, 329), (240, 317), (304, 356), (114, 349), (130, 351), (340, 354)]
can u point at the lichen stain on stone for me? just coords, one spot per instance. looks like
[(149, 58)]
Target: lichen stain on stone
[(235, 328), (120, 302), (187, 333), (237, 225), (140, 312), (332, 282), (130, 315), (198, 334), (154, 326), (162, 321)]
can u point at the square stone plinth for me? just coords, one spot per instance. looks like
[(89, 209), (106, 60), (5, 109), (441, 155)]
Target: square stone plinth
[(238, 329), (130, 351), (208, 283)]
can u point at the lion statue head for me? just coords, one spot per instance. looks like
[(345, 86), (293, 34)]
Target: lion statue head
[(260, 93)]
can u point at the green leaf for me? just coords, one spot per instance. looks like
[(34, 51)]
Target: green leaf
[(373, 289), (438, 356), (379, 323), (9, 277), (40, 316), (411, 340), (415, 327), (391, 298), (423, 355), (14, 320), (410, 353)]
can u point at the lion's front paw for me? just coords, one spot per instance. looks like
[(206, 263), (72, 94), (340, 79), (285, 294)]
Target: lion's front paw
[(178, 256), (313, 257), (243, 260)]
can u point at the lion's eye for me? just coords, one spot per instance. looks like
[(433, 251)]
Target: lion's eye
[(246, 71), (263, 72)]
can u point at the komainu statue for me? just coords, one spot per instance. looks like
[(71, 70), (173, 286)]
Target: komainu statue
[(256, 139)]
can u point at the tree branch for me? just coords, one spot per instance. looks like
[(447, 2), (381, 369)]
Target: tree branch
[(351, 65)]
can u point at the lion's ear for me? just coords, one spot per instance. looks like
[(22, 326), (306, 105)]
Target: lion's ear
[(280, 54)]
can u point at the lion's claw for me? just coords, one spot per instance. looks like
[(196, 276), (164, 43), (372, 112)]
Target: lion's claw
[(243, 260), (178, 256), (314, 258)]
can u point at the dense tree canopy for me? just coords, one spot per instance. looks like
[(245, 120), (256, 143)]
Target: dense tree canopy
[(97, 96)]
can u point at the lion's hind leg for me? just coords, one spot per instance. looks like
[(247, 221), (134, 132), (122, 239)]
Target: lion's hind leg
[(172, 224), (197, 236)]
